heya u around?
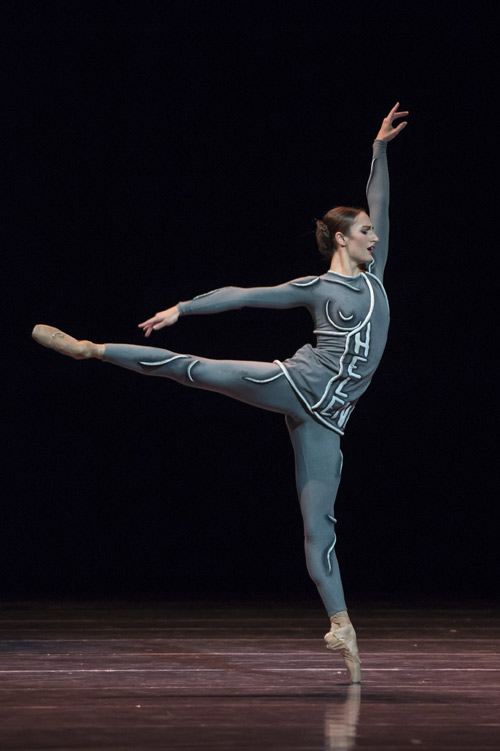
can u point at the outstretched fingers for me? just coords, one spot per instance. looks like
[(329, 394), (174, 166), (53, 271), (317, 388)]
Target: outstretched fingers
[(388, 131), (393, 114), (150, 325), (399, 128), (150, 322), (164, 318)]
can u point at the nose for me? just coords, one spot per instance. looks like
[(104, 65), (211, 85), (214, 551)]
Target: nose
[(375, 237)]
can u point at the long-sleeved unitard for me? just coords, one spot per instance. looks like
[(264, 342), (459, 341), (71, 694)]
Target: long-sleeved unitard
[(316, 389)]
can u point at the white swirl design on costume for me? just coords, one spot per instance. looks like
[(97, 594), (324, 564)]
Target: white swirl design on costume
[(205, 294), (330, 549), (346, 318), (263, 380), (340, 403), (335, 325), (339, 396), (190, 367), (162, 362), (305, 284)]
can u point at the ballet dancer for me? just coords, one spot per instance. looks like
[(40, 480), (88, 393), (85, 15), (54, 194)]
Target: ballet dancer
[(318, 387)]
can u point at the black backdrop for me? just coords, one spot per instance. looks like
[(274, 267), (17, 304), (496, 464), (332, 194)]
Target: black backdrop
[(156, 150)]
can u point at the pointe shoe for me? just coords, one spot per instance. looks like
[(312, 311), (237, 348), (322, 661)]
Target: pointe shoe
[(342, 639), (53, 338)]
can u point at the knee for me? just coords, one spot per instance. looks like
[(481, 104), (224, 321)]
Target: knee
[(319, 531), (320, 549), (179, 368)]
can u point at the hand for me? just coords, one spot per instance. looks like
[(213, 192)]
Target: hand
[(163, 318), (387, 132)]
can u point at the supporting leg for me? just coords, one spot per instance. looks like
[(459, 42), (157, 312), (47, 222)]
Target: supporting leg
[(318, 462)]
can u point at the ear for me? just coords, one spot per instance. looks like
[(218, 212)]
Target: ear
[(340, 240)]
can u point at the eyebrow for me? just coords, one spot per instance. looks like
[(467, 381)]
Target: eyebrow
[(366, 226)]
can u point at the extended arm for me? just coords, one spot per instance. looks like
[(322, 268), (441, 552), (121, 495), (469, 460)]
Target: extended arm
[(289, 295), (377, 190), (377, 194)]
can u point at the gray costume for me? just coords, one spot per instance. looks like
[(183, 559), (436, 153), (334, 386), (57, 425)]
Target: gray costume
[(316, 389)]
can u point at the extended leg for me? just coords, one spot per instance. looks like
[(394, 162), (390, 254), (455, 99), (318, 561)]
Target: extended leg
[(257, 383), (260, 384)]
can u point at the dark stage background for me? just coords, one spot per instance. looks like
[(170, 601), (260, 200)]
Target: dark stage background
[(156, 150)]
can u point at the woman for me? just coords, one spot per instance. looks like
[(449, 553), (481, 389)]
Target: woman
[(318, 387)]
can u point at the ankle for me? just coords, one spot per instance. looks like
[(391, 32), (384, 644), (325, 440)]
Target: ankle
[(341, 618), (90, 349)]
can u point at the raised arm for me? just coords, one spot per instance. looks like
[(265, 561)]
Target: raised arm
[(377, 190), (288, 295)]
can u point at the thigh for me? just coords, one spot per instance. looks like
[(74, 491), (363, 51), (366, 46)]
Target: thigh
[(318, 467), (260, 384)]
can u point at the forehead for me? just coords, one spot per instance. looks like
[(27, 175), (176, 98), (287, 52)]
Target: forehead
[(363, 220)]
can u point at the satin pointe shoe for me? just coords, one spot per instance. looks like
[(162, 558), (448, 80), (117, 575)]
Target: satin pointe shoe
[(53, 338), (342, 639)]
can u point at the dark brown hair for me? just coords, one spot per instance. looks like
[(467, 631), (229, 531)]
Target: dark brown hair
[(339, 219)]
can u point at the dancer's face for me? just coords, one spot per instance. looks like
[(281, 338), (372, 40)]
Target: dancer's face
[(361, 240)]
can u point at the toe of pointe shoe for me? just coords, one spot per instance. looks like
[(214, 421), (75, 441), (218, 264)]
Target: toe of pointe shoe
[(42, 332), (49, 336), (46, 335), (354, 669)]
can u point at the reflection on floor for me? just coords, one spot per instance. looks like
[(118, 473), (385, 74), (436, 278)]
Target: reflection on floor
[(172, 677)]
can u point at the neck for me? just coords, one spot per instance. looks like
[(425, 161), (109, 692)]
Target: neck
[(343, 264)]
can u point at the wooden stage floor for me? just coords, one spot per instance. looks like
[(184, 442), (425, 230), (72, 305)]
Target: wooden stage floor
[(182, 677)]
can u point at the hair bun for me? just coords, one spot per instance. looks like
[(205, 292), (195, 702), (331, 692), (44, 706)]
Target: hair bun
[(322, 227)]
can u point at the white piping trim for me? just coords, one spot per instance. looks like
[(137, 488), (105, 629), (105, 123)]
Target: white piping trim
[(161, 362), (330, 549), (370, 175), (305, 284), (335, 325), (329, 333), (190, 367), (264, 380), (204, 294), (346, 318)]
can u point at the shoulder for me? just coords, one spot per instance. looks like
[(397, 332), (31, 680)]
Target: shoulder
[(305, 281), (375, 278)]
